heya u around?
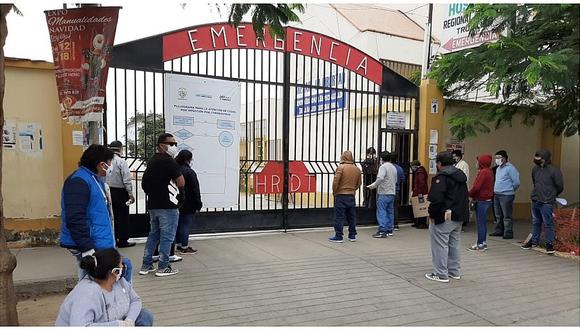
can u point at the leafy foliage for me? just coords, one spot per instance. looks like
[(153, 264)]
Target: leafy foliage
[(273, 15), (532, 68), (148, 129)]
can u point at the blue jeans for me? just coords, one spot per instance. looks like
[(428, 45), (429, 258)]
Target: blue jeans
[(183, 226), (386, 212), (542, 212), (163, 228), (482, 207), (344, 209), (82, 273), (504, 205), (145, 318)]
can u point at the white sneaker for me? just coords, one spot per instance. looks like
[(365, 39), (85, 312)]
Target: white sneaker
[(175, 258), (458, 277)]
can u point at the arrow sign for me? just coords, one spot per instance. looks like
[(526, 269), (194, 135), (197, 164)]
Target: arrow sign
[(454, 44)]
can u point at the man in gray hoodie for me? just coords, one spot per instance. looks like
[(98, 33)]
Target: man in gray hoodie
[(548, 184)]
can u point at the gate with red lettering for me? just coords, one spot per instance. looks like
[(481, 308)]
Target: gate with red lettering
[(306, 98)]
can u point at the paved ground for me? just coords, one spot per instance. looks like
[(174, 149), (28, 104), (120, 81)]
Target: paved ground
[(301, 279)]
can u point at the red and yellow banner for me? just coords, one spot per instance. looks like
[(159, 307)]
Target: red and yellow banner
[(82, 48)]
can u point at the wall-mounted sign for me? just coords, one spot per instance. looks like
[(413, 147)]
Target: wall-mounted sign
[(396, 120), (455, 35), (434, 106), (314, 100)]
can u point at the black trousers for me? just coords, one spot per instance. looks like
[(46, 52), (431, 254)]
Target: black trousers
[(397, 203), (120, 196)]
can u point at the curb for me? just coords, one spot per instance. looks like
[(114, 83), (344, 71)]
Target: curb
[(36, 288)]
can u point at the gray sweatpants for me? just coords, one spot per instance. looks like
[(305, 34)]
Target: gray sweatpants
[(445, 241)]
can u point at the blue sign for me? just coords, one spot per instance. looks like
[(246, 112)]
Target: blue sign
[(315, 100)]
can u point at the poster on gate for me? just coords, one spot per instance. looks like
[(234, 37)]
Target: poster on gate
[(82, 49), (204, 117)]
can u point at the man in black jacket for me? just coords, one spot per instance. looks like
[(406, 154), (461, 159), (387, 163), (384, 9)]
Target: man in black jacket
[(548, 184), (448, 209)]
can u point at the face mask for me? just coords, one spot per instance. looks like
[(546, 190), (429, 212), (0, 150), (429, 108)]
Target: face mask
[(172, 151), (538, 162), (498, 162), (118, 272), (414, 169), (108, 170)]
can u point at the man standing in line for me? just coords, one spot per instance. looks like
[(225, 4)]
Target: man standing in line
[(507, 182), (548, 184), (399, 187), (370, 167), (462, 165), (120, 182), (86, 223), (347, 180), (161, 181), (385, 185), (448, 208)]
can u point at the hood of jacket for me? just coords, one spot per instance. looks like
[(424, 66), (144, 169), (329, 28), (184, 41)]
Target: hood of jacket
[(545, 154), (484, 160), (347, 158), (454, 173)]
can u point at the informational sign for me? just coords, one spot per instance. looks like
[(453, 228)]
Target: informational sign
[(9, 135), (313, 100), (212, 37), (30, 137), (434, 136), (77, 138), (396, 120), (271, 179), (456, 32), (434, 106), (455, 144), (82, 48), (204, 116)]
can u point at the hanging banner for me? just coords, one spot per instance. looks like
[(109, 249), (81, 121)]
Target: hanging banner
[(204, 116), (82, 48)]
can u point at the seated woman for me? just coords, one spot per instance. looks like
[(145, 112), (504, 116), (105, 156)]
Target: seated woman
[(104, 298)]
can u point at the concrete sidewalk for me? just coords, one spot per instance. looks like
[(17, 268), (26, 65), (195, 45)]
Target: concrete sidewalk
[(300, 278)]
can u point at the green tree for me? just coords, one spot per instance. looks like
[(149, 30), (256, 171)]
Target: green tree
[(533, 67), (273, 15), (8, 313), (148, 128)]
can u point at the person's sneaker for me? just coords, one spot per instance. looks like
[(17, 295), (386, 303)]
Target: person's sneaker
[(167, 271), (352, 238), (496, 234), (528, 245), (147, 269), (550, 248), (380, 235), (396, 228), (475, 247), (175, 258), (458, 277), (484, 247), (335, 239), (436, 278), (187, 251), (389, 233)]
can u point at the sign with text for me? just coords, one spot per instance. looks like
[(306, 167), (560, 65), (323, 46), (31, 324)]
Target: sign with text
[(204, 116), (455, 35), (219, 36), (271, 179), (82, 48), (314, 100), (396, 120)]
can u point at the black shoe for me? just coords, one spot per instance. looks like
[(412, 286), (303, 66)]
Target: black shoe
[(126, 245), (550, 248), (380, 235), (496, 234), (528, 245)]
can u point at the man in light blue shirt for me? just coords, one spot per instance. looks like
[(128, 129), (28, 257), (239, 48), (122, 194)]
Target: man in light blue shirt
[(507, 182)]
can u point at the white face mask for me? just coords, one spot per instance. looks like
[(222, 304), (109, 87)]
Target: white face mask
[(498, 162), (172, 151), (108, 170), (118, 272)]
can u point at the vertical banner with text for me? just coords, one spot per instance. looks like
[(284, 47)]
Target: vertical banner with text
[(82, 48), (204, 116)]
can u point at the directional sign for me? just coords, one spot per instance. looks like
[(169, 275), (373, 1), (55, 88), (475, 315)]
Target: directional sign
[(455, 35)]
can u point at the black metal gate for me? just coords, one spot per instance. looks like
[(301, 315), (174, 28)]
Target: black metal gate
[(294, 108)]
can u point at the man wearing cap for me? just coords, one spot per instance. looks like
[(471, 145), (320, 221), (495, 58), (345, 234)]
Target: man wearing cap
[(119, 180)]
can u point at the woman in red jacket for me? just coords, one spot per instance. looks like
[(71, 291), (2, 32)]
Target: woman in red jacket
[(420, 189), (482, 194)]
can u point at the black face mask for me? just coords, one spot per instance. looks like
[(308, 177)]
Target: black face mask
[(538, 162)]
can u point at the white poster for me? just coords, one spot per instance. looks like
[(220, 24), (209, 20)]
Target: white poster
[(30, 137), (204, 116), (9, 134)]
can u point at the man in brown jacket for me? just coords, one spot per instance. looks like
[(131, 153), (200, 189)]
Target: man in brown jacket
[(347, 180)]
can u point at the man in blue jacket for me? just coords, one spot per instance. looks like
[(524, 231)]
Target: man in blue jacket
[(507, 182), (86, 222)]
